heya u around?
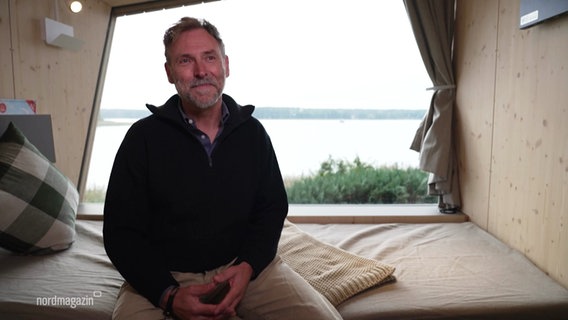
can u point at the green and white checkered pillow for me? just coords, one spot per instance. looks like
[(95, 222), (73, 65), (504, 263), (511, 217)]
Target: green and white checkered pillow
[(38, 204)]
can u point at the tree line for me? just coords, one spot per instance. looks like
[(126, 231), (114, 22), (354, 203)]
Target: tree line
[(293, 113)]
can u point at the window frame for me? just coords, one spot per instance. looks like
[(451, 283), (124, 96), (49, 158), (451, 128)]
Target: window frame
[(318, 213)]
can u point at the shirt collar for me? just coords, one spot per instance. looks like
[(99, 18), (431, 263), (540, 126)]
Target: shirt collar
[(224, 115)]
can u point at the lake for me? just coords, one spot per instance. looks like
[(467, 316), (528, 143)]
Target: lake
[(300, 145)]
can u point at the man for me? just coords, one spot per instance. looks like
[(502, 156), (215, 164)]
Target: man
[(196, 200)]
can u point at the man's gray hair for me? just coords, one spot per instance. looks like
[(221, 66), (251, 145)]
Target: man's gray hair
[(187, 24)]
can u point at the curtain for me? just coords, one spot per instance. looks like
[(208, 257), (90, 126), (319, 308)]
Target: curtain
[(433, 27)]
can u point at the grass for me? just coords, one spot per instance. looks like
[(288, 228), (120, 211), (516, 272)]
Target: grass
[(343, 182), (95, 195)]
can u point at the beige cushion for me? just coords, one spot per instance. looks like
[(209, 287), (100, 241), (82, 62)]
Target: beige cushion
[(335, 273)]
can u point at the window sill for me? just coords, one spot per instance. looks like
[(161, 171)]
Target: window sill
[(337, 213), (370, 213)]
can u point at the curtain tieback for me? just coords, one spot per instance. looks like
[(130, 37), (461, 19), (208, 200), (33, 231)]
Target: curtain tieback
[(442, 87)]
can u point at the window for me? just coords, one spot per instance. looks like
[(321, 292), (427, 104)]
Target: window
[(330, 67)]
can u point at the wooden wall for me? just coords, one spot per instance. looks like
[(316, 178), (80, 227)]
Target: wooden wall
[(512, 115), (62, 82)]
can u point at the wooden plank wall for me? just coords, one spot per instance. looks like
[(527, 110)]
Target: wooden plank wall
[(512, 111), (6, 66), (62, 82)]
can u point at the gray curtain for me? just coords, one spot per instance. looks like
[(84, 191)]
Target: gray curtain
[(433, 26)]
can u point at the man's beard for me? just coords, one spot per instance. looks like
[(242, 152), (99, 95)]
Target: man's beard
[(199, 101)]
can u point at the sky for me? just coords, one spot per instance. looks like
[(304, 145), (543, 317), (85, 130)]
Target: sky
[(295, 53)]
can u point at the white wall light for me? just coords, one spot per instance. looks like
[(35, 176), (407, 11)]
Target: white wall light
[(75, 6), (60, 35)]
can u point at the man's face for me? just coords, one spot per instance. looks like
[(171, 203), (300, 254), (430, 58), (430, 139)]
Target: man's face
[(197, 68)]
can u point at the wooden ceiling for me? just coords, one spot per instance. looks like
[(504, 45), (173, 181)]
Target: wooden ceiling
[(133, 6), (118, 3)]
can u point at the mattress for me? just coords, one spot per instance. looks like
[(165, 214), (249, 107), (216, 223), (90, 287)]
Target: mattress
[(443, 271), (78, 283)]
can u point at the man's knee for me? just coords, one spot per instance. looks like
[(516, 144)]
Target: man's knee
[(284, 294), (132, 306)]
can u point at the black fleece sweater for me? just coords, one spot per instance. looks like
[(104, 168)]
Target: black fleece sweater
[(171, 207)]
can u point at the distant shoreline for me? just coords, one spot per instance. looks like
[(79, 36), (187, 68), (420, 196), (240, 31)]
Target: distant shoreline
[(106, 115)]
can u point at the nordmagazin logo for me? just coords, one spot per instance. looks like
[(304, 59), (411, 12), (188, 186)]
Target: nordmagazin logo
[(71, 302)]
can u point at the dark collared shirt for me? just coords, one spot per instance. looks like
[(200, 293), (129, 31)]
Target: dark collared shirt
[(207, 144)]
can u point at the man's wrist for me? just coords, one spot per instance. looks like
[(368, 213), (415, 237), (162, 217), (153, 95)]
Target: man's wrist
[(169, 310), (167, 299)]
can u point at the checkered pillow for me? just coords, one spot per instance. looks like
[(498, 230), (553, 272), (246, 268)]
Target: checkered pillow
[(38, 203)]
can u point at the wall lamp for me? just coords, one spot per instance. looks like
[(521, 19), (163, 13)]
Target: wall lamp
[(75, 6), (61, 35)]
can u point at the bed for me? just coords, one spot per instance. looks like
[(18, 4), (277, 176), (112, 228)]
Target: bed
[(445, 271), (442, 271)]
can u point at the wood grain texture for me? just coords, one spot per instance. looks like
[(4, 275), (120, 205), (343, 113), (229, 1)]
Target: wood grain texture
[(526, 179)]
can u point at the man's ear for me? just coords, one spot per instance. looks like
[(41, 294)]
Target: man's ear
[(227, 66), (168, 72)]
